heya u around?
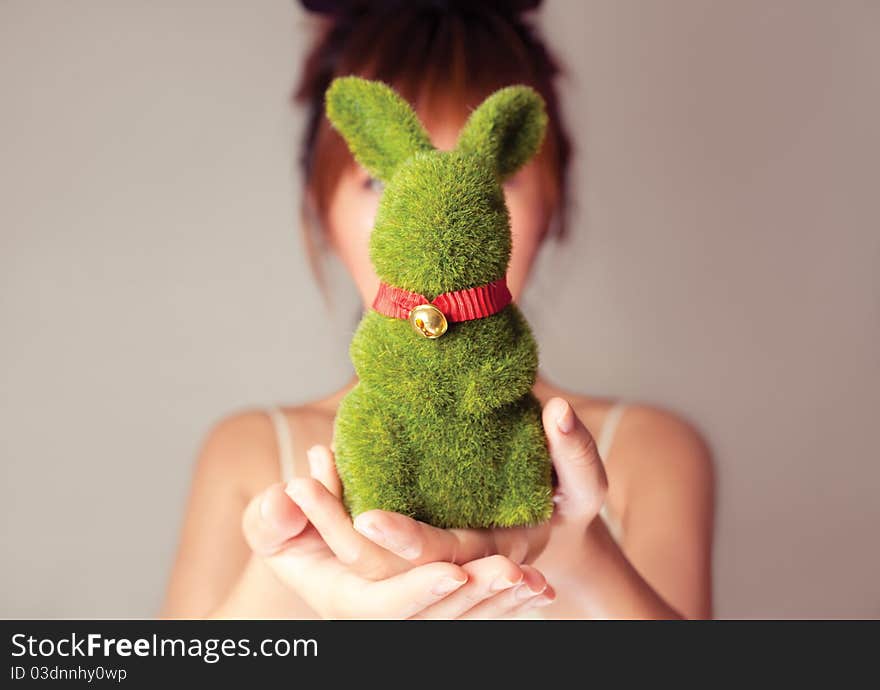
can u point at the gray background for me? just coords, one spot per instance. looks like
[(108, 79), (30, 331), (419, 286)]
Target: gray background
[(153, 278)]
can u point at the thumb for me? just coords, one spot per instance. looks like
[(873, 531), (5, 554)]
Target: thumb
[(582, 485)]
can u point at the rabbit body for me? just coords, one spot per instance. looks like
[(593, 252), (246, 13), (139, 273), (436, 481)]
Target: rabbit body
[(448, 430)]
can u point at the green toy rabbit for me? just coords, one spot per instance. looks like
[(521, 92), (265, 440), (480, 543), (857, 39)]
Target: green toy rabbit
[(442, 424)]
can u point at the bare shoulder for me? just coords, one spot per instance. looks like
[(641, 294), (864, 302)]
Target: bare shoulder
[(240, 448), (661, 453), (239, 431), (243, 446), (648, 434)]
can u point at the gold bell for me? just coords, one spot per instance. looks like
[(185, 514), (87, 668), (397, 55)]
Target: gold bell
[(428, 320)]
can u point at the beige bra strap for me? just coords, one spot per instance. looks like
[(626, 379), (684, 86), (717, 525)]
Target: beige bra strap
[(284, 438), (609, 427), (603, 445)]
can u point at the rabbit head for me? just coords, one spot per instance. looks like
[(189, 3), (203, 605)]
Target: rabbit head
[(442, 223)]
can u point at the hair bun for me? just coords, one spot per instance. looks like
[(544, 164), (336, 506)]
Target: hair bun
[(339, 7)]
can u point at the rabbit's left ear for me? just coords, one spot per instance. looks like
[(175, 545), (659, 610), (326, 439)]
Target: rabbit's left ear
[(380, 127), (507, 128)]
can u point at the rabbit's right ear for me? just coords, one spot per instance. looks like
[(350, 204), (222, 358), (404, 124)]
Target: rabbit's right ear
[(380, 127)]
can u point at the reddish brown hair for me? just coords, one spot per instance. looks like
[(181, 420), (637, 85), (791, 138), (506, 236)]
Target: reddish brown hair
[(444, 58)]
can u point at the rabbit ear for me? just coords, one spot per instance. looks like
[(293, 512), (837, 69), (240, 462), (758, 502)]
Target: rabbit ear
[(507, 128), (380, 127)]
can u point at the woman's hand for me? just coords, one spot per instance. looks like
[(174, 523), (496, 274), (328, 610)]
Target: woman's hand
[(304, 534), (579, 494)]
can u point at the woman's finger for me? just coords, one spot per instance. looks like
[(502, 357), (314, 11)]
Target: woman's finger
[(271, 519), (487, 577), (419, 542), (329, 516), (403, 595), (506, 603), (582, 482), (322, 466), (545, 598)]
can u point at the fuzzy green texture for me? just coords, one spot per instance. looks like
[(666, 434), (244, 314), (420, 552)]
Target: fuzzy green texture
[(447, 431)]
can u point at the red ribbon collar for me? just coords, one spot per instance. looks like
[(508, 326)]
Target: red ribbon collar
[(458, 305)]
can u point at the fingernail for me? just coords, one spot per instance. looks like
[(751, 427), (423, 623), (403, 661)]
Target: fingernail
[(447, 585), (565, 421), (502, 582), (296, 491), (314, 459), (266, 511), (369, 530), (525, 592), (264, 508)]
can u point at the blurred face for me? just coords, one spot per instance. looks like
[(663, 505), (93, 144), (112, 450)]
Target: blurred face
[(355, 200)]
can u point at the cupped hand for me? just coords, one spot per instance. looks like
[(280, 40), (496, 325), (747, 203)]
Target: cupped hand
[(304, 534), (578, 496)]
